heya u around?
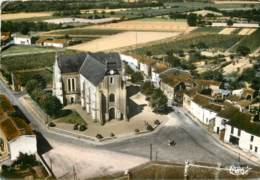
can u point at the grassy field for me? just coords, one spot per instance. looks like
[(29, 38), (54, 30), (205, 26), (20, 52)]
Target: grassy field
[(25, 49), (72, 118), (30, 61), (211, 40)]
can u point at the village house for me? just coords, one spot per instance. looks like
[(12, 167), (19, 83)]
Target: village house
[(157, 69), (58, 43), (173, 82), (202, 107), (213, 86), (22, 40), (242, 131), (19, 136), (244, 93), (94, 80)]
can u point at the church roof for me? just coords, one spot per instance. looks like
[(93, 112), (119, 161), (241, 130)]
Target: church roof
[(98, 64), (71, 64)]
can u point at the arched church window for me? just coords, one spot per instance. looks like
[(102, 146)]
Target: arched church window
[(112, 98)]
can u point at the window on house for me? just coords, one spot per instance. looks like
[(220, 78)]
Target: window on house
[(111, 80), (256, 149), (251, 147), (252, 138), (232, 130), (239, 132)]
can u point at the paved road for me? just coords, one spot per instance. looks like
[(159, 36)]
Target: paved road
[(192, 142)]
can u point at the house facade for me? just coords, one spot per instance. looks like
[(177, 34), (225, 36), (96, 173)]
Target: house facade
[(22, 40), (94, 80)]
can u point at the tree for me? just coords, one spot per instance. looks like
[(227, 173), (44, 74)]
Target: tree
[(192, 19), (159, 100), (212, 75), (230, 22), (137, 77), (51, 105), (147, 88), (31, 85), (243, 50)]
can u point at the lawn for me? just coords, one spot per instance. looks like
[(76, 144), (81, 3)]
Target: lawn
[(72, 118), (211, 40), (25, 49), (30, 61)]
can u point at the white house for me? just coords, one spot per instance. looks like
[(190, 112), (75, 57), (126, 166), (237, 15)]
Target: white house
[(22, 40), (202, 107), (20, 139), (244, 139), (22, 144), (156, 70), (58, 43)]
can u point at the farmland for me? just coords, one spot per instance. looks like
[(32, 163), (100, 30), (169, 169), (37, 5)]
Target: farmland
[(122, 40), (148, 25), (252, 41), (211, 40), (16, 16)]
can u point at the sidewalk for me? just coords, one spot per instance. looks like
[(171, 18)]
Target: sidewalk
[(41, 116), (234, 149)]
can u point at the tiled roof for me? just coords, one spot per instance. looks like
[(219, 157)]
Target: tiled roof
[(97, 65), (202, 82), (206, 102), (159, 67), (15, 127)]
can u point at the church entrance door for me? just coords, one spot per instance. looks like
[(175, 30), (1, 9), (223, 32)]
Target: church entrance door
[(111, 113)]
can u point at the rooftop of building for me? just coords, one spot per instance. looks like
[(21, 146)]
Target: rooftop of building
[(203, 82), (159, 67), (15, 127), (207, 102)]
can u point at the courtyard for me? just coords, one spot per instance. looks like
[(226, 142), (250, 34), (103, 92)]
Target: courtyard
[(140, 116)]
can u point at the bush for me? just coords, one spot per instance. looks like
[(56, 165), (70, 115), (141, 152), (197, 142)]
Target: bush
[(112, 134), (149, 127), (82, 128), (137, 130), (99, 136), (76, 126), (52, 124), (157, 122)]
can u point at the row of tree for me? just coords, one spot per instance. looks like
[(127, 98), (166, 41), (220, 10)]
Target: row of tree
[(38, 6), (25, 27)]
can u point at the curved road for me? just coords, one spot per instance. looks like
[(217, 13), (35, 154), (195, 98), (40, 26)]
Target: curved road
[(192, 141)]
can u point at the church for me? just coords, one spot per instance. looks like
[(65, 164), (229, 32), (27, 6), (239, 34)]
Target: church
[(94, 80)]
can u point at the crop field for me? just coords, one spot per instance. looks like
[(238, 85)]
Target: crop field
[(246, 31), (252, 41), (16, 16), (227, 31), (148, 25), (211, 40), (124, 39)]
